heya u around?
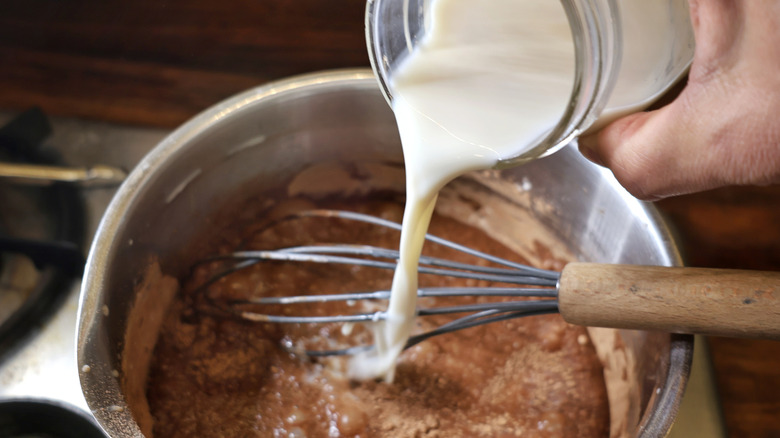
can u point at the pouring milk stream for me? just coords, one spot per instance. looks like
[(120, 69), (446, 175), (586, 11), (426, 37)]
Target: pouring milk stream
[(487, 83)]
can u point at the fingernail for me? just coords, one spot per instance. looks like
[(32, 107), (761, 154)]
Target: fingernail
[(587, 146)]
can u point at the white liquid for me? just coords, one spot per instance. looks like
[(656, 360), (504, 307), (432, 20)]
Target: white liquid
[(489, 81), (657, 46), (463, 100)]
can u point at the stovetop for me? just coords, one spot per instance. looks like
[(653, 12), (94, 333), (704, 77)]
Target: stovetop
[(44, 367)]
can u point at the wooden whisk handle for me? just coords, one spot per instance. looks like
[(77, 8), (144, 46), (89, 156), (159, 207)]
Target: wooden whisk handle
[(719, 302)]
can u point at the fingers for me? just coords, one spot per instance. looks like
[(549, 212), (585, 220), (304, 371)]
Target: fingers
[(723, 132), (722, 129), (643, 151)]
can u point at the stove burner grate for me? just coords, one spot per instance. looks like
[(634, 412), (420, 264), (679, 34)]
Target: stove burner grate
[(27, 418), (41, 235)]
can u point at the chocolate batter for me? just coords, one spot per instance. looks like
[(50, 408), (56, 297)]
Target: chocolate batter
[(215, 375)]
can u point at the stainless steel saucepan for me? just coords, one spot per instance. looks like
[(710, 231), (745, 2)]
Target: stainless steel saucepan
[(254, 144)]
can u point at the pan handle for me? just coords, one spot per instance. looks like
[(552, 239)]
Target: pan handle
[(95, 176)]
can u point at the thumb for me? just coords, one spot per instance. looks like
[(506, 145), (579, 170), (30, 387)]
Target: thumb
[(653, 154)]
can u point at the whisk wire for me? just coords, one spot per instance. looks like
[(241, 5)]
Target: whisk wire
[(544, 283), (360, 217), (421, 293), (428, 265), (477, 319)]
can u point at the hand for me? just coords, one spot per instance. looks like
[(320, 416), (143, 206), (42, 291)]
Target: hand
[(724, 127)]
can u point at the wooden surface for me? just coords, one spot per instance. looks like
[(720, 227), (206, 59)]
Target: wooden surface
[(736, 227), (158, 62)]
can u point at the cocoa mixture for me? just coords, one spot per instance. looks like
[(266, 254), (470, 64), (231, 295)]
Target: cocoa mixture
[(216, 375)]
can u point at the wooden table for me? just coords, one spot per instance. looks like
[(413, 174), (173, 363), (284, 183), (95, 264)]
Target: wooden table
[(736, 227), (158, 62)]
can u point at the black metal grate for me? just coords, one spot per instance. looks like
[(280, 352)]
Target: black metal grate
[(44, 225)]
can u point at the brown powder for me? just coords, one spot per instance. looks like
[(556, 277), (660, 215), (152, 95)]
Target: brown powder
[(217, 376)]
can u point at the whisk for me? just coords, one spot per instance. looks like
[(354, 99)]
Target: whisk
[(721, 302)]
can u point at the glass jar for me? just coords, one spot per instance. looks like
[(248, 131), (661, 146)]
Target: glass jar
[(627, 54)]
